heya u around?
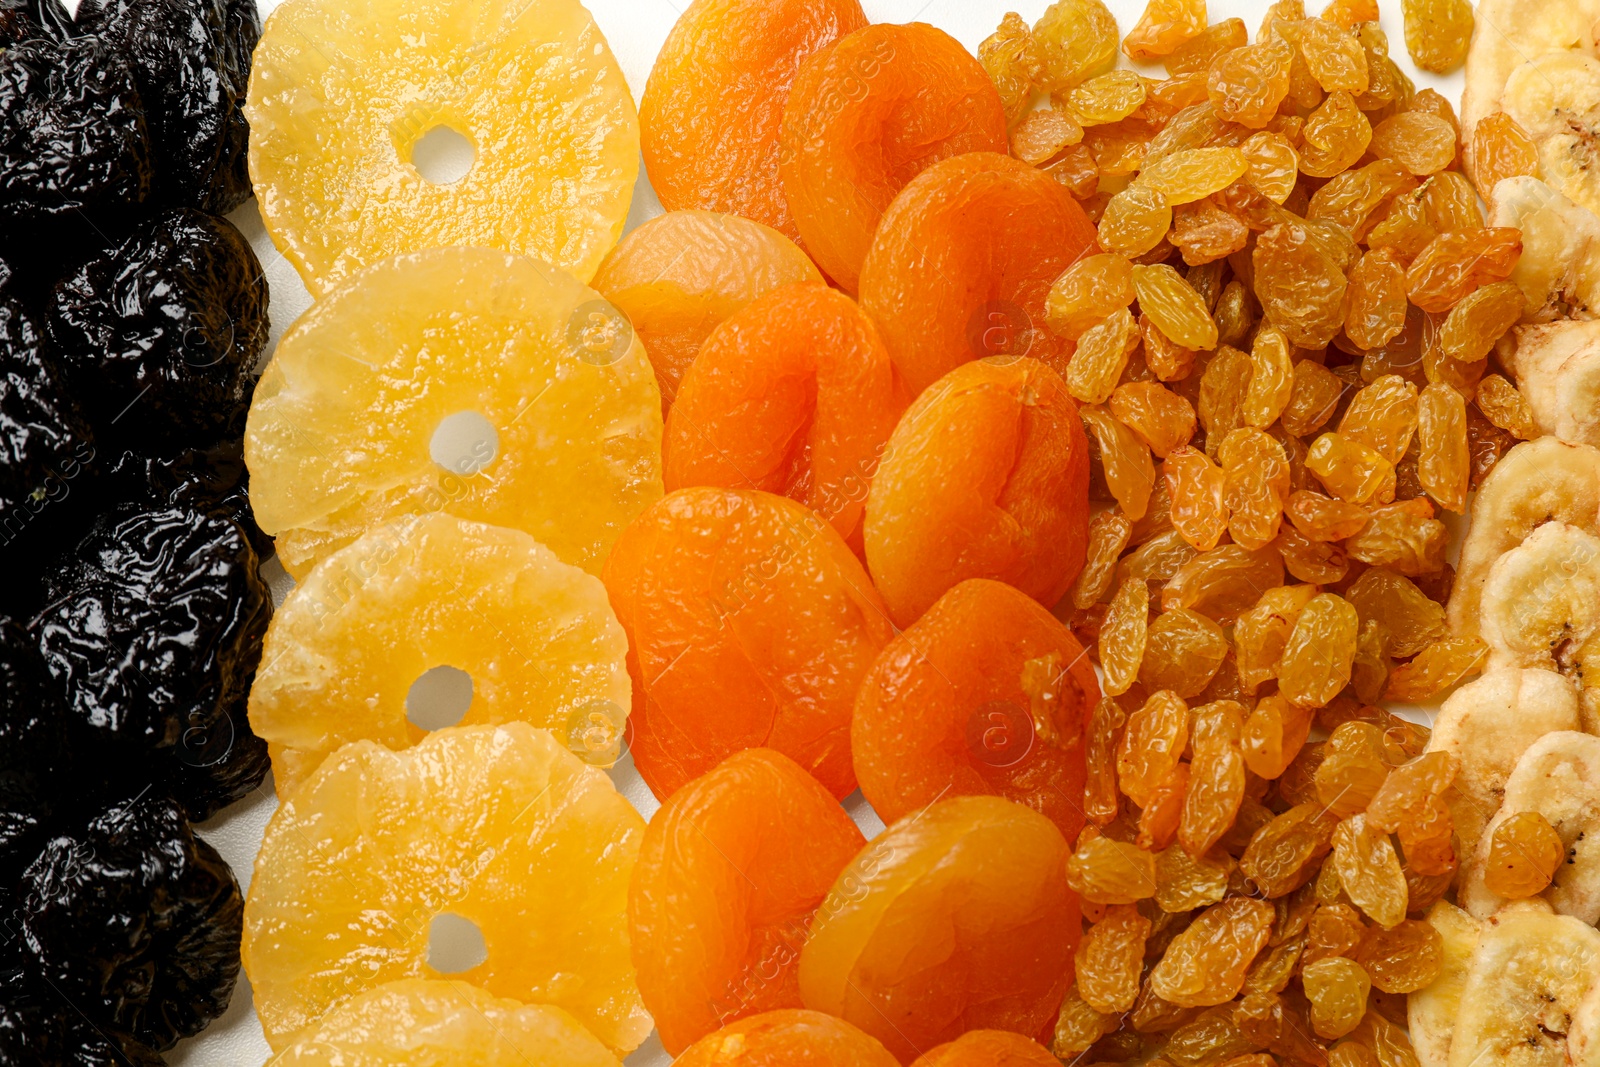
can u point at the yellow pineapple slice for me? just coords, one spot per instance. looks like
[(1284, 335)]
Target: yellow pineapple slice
[(419, 1023), (536, 638), (463, 380), (500, 826), (342, 92)]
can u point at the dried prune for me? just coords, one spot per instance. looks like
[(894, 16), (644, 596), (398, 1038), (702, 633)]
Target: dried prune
[(191, 60), (136, 921), (40, 1029), (73, 142), (152, 636), (47, 445), (165, 328), (33, 750)]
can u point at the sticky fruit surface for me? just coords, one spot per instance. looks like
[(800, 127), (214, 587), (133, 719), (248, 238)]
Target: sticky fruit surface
[(750, 624), (498, 825), (340, 435), (713, 107), (955, 918), (729, 874), (865, 117), (680, 274), (963, 262), (537, 636), (423, 1022), (332, 141), (794, 395), (986, 476), (986, 693), (787, 1038)]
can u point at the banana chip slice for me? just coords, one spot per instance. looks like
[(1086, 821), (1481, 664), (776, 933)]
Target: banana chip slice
[(1431, 1012), (1559, 271)]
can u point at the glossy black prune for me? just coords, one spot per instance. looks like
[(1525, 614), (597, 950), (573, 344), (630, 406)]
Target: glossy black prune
[(151, 634), (213, 479), (34, 749), (159, 335), (45, 450), (191, 59), (136, 921), (73, 142)]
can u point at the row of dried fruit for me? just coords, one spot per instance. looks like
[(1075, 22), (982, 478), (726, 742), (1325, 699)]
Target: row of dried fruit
[(131, 613)]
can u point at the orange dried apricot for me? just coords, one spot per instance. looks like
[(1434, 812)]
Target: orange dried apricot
[(867, 115), (986, 476), (963, 263), (713, 107), (750, 623), (787, 1038), (679, 275), (988, 1048), (729, 873), (986, 693), (794, 395), (955, 918)]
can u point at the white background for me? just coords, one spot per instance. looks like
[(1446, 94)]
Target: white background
[(636, 29)]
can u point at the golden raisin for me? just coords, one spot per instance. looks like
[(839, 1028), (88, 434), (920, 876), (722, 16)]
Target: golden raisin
[(1443, 462), (1368, 868), (1100, 798), (1246, 84), (1162, 418), (1353, 199), (1403, 536), (1451, 203), (1197, 52), (1271, 378), (1183, 650), (1043, 134), (1382, 416), (1335, 137), (1111, 872), (1075, 40), (1285, 853), (1377, 300), (1436, 668), (1349, 469), (1421, 142), (1259, 638), (1524, 854), (1323, 518), (1110, 959), (1412, 619), (1194, 173), (1152, 743), (1164, 26), (1223, 387), (1300, 284), (1272, 165), (1012, 62), (1129, 471), (1456, 263), (1184, 883), (1437, 32), (1135, 220), (1206, 963), (1316, 661), (1337, 988), (1478, 321), (1223, 583), (1205, 233), (1167, 360), (1175, 308), (1087, 293), (1102, 355), (1256, 484), (1197, 486), (1109, 532), (1313, 398), (1506, 408), (1124, 635), (1108, 97), (1404, 958), (1216, 775), (1501, 149)]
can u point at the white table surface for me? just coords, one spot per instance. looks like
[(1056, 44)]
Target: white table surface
[(636, 30)]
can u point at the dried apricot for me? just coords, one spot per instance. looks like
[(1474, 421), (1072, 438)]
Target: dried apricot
[(954, 919), (986, 693), (1005, 495), (719, 593), (795, 395), (729, 873), (679, 275), (713, 106), (963, 264), (788, 1038), (984, 1048), (864, 117)]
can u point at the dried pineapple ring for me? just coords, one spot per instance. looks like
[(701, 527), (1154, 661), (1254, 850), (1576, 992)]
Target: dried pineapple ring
[(497, 825), (412, 1022), (460, 380), (537, 636), (335, 116)]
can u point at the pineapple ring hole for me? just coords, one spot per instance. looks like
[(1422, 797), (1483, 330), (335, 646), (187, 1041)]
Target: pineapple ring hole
[(439, 698), (455, 944), (464, 443), (443, 156)]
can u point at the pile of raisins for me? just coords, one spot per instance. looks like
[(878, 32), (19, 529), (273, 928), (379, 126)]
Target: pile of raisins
[(1285, 361), (132, 611)]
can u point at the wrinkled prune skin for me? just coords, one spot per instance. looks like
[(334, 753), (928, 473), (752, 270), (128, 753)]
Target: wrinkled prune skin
[(191, 59), (73, 140), (151, 634), (213, 479), (34, 750), (136, 921), (159, 335), (46, 451)]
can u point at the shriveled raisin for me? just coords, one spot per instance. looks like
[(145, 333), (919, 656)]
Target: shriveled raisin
[(1184, 882), (1349, 469), (1012, 62), (1353, 768), (1100, 798), (1101, 357), (1205, 233), (1501, 149), (1451, 203), (1246, 84), (1382, 416), (1377, 311), (1272, 164), (1284, 854), (1162, 418), (1300, 284), (1313, 398), (1403, 536), (1436, 668), (1443, 461), (1110, 959), (1135, 220), (1183, 650), (1369, 673), (1223, 387), (1412, 619), (1194, 173), (1197, 52), (1167, 360), (1259, 638), (1075, 40), (1437, 32), (1404, 958), (1504, 406), (1106, 871), (1197, 486), (1174, 307), (1158, 820), (1108, 536), (1124, 635), (1206, 964), (1256, 484), (1316, 662), (1476, 323), (1129, 471), (1421, 142), (1224, 582), (1524, 854), (1337, 988), (1336, 136), (1354, 199), (1323, 518), (1271, 378), (1108, 97), (1153, 742), (1369, 870), (1216, 775), (1233, 314), (1455, 263)]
